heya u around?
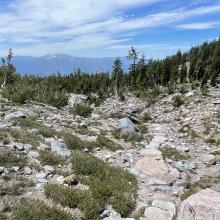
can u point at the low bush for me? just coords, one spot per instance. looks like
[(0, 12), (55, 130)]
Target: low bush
[(110, 185), (8, 158), (178, 101), (81, 109), (34, 210), (146, 117), (104, 142), (51, 158), (32, 123), (74, 198), (143, 128), (73, 142), (173, 154)]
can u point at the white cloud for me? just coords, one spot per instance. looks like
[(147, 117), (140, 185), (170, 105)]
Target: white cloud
[(39, 26), (199, 25)]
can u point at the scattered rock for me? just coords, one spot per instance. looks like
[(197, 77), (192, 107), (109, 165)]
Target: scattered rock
[(167, 206), (18, 114), (27, 170), (154, 213), (48, 169), (204, 205), (208, 159), (19, 146)]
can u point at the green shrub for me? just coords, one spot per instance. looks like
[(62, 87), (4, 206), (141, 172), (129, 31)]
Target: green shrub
[(210, 141), (143, 128), (173, 154), (20, 95), (183, 90), (82, 109), (8, 158), (35, 210), (132, 137), (32, 123), (146, 117), (74, 198), (188, 192), (51, 158), (120, 185), (178, 101), (104, 142), (73, 142)]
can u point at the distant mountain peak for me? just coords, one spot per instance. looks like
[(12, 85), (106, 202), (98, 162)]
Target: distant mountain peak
[(51, 55), (64, 63)]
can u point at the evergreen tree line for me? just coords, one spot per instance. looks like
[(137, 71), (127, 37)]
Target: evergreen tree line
[(201, 64)]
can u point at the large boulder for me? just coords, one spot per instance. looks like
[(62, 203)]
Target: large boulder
[(204, 205), (126, 125)]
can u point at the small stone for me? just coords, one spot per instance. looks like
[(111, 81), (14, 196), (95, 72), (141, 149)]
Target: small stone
[(33, 154), (27, 170), (15, 168), (40, 175), (189, 94), (208, 159), (19, 146), (48, 169)]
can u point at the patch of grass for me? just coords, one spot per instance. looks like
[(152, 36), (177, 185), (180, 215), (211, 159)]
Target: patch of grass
[(207, 181), (104, 142), (34, 210), (128, 137), (4, 136), (73, 142), (187, 193), (14, 185), (81, 109), (178, 100), (74, 198), (143, 128), (26, 137), (8, 158), (132, 137), (51, 158), (110, 185), (210, 141), (85, 131), (202, 183), (173, 154), (32, 123), (116, 134), (194, 135), (146, 117)]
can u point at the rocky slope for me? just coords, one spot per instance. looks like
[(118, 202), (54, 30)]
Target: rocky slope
[(172, 151)]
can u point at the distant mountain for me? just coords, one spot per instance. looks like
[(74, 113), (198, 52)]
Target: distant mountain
[(65, 64)]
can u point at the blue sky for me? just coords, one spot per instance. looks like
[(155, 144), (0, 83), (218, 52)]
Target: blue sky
[(105, 28)]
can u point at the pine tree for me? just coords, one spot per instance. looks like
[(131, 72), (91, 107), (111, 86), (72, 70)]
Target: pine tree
[(117, 75)]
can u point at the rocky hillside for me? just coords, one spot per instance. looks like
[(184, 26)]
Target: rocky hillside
[(134, 159)]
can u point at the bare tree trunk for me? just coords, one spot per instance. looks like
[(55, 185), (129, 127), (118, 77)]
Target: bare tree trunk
[(5, 78)]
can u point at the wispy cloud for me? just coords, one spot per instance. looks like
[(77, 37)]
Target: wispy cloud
[(38, 26), (199, 25)]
